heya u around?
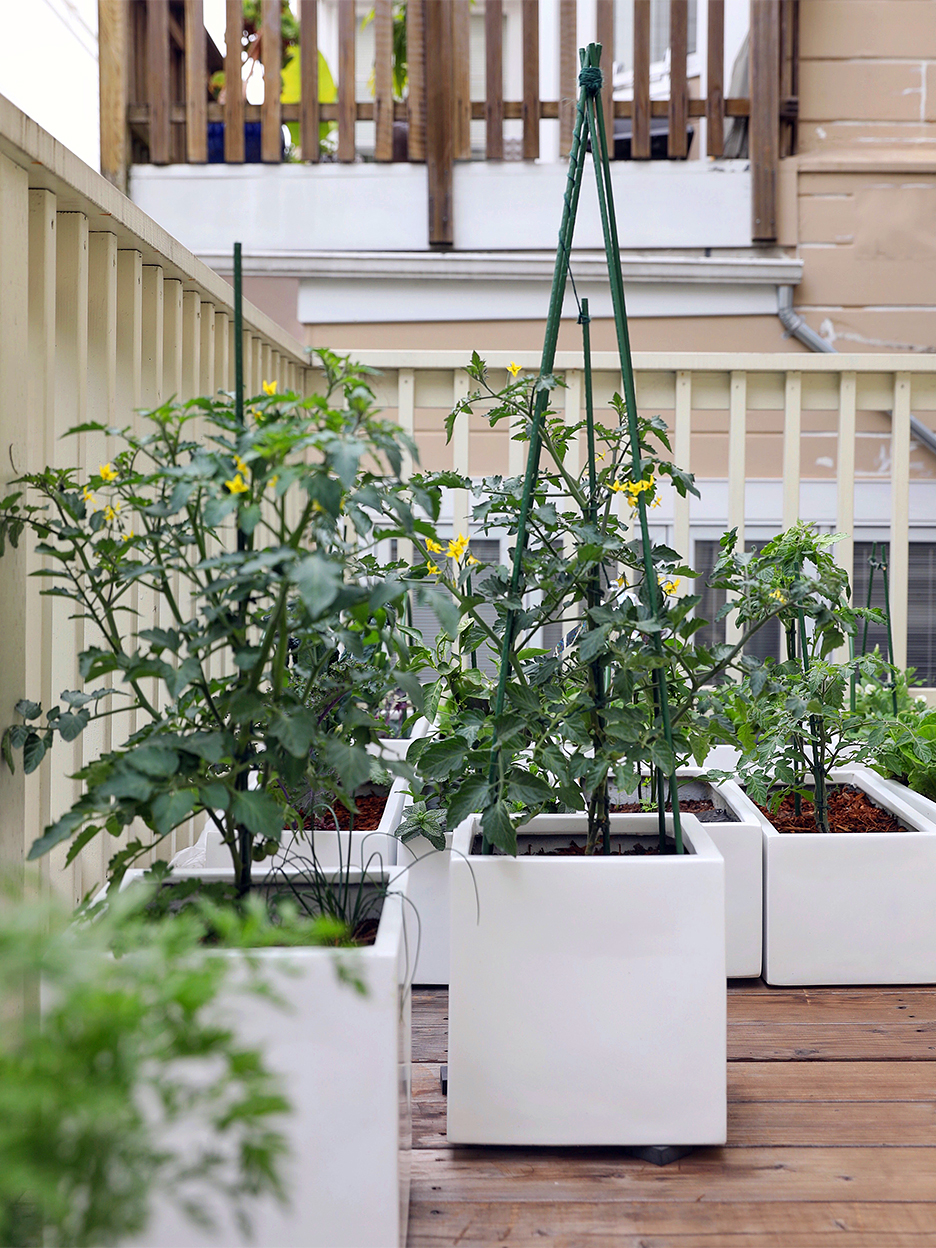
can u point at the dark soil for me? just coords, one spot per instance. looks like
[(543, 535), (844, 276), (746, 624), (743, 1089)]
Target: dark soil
[(850, 810), (576, 850), (703, 808), (369, 813)]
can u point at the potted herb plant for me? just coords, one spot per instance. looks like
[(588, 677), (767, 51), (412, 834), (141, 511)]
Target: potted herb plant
[(848, 863), (253, 535)]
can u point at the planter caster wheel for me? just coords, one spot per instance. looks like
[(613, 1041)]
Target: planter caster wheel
[(443, 1079), (659, 1154)]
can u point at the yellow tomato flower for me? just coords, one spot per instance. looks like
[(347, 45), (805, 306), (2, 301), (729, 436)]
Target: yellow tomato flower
[(110, 513), (618, 487), (432, 568), (435, 547), (513, 369), (670, 587), (90, 499), (779, 595), (472, 561), (128, 536), (273, 480), (457, 547), (237, 485), (240, 465), (107, 472), (269, 387)]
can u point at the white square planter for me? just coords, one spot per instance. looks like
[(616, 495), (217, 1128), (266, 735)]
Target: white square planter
[(740, 845), (344, 1061), (849, 908), (587, 1001)]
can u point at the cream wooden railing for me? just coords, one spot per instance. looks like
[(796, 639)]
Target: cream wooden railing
[(101, 312), (787, 398)]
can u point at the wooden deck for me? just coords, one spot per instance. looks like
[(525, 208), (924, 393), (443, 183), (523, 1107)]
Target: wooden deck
[(832, 1141)]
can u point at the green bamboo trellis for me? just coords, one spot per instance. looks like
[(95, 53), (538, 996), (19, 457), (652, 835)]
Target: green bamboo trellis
[(589, 116)]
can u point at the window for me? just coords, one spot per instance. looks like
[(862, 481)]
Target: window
[(921, 604)]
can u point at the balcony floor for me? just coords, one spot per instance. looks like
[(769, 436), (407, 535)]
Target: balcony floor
[(831, 1123)]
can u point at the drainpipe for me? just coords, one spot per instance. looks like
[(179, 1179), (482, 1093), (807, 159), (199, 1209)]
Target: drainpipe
[(794, 324)]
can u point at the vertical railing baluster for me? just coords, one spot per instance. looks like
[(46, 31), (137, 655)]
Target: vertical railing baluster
[(715, 95), (494, 79), (682, 455), (439, 122), (677, 147), (640, 133), (233, 85), (792, 422), (416, 80), (765, 118), (383, 80), (568, 73), (271, 130), (530, 105), (461, 75), (604, 23), (347, 102), (845, 481), (196, 84), (157, 79), (308, 78)]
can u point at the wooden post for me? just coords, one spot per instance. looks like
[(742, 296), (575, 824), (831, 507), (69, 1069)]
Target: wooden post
[(604, 18), (383, 80), (157, 79), (416, 78), (679, 89), (494, 80), (233, 85), (461, 73), (765, 118), (271, 137), (308, 73), (715, 100), (347, 107), (568, 73), (112, 63), (196, 85), (439, 121), (530, 109), (640, 133)]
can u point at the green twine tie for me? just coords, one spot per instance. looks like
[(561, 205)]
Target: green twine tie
[(591, 78)]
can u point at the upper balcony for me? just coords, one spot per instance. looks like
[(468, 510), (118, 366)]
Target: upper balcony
[(439, 124)]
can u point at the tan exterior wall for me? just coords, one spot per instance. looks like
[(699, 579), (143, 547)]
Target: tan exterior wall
[(706, 333), (866, 173)]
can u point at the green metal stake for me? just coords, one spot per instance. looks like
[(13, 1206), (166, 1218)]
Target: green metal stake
[(556, 296), (890, 631), (599, 142), (238, 337)]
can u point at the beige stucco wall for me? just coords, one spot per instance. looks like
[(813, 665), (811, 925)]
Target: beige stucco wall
[(866, 173)]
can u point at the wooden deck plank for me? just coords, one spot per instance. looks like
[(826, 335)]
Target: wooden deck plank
[(824, 1042), (831, 1081), (848, 1007), (602, 1176), (575, 1222)]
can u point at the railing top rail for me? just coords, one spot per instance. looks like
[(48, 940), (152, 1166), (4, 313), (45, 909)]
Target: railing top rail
[(79, 189), (660, 361)]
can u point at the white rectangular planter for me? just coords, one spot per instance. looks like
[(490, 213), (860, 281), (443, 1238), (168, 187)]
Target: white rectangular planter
[(587, 1003), (427, 870), (849, 908), (740, 845), (344, 1061)]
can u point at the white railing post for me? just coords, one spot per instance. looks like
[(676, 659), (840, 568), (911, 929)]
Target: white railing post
[(899, 559), (792, 421), (737, 438), (682, 443)]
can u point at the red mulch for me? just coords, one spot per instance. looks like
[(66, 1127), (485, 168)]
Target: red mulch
[(706, 809), (850, 810), (367, 819)]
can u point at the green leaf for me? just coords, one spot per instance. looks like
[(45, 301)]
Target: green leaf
[(443, 758), (445, 612), (259, 814), (295, 730), (80, 841), (126, 784), (528, 789), (592, 642), (28, 710), (352, 763), (499, 829), (214, 795), (470, 797), (72, 724), (171, 809), (34, 751), (154, 760), (318, 582), (6, 748), (56, 833)]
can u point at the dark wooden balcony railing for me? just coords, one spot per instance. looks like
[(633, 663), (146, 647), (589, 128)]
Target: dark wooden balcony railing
[(157, 60)]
